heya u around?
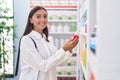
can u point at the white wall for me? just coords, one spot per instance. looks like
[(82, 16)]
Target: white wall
[(21, 10), (109, 39)]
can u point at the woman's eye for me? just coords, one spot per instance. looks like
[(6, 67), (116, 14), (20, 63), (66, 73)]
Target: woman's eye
[(38, 16), (41, 16), (45, 16)]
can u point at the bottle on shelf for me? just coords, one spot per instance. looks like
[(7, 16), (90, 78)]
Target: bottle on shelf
[(62, 41), (73, 27), (93, 41), (53, 28), (66, 28), (59, 28)]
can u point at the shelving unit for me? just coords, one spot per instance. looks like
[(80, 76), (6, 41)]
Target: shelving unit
[(68, 70), (99, 40)]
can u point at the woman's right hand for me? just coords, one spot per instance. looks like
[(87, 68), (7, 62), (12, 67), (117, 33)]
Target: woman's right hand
[(70, 44)]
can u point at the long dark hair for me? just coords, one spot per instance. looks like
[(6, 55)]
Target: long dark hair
[(30, 27)]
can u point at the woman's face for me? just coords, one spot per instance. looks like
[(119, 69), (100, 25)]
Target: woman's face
[(39, 20)]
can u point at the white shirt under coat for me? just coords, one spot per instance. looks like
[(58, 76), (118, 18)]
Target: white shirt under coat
[(39, 64)]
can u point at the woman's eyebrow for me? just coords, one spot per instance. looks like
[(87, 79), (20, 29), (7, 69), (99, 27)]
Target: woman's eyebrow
[(41, 14)]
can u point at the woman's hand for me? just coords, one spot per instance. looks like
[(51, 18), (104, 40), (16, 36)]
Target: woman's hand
[(70, 44)]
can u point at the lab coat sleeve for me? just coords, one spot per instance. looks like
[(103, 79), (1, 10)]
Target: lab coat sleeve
[(65, 60), (33, 59)]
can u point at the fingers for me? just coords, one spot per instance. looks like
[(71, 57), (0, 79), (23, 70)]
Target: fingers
[(70, 44), (75, 40), (73, 44)]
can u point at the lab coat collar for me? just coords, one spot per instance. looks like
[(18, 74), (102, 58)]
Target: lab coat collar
[(37, 35)]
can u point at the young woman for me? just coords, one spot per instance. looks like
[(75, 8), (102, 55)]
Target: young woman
[(38, 57)]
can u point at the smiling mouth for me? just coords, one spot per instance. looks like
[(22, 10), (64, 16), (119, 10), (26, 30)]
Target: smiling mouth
[(41, 25)]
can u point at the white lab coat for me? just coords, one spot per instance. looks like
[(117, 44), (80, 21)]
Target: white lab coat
[(41, 64)]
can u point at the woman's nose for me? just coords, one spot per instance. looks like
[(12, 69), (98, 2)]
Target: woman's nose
[(42, 19)]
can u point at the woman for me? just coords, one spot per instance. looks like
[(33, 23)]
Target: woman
[(38, 56)]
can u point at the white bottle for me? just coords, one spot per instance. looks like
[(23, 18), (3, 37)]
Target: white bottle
[(59, 28), (62, 41), (53, 27), (66, 28)]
